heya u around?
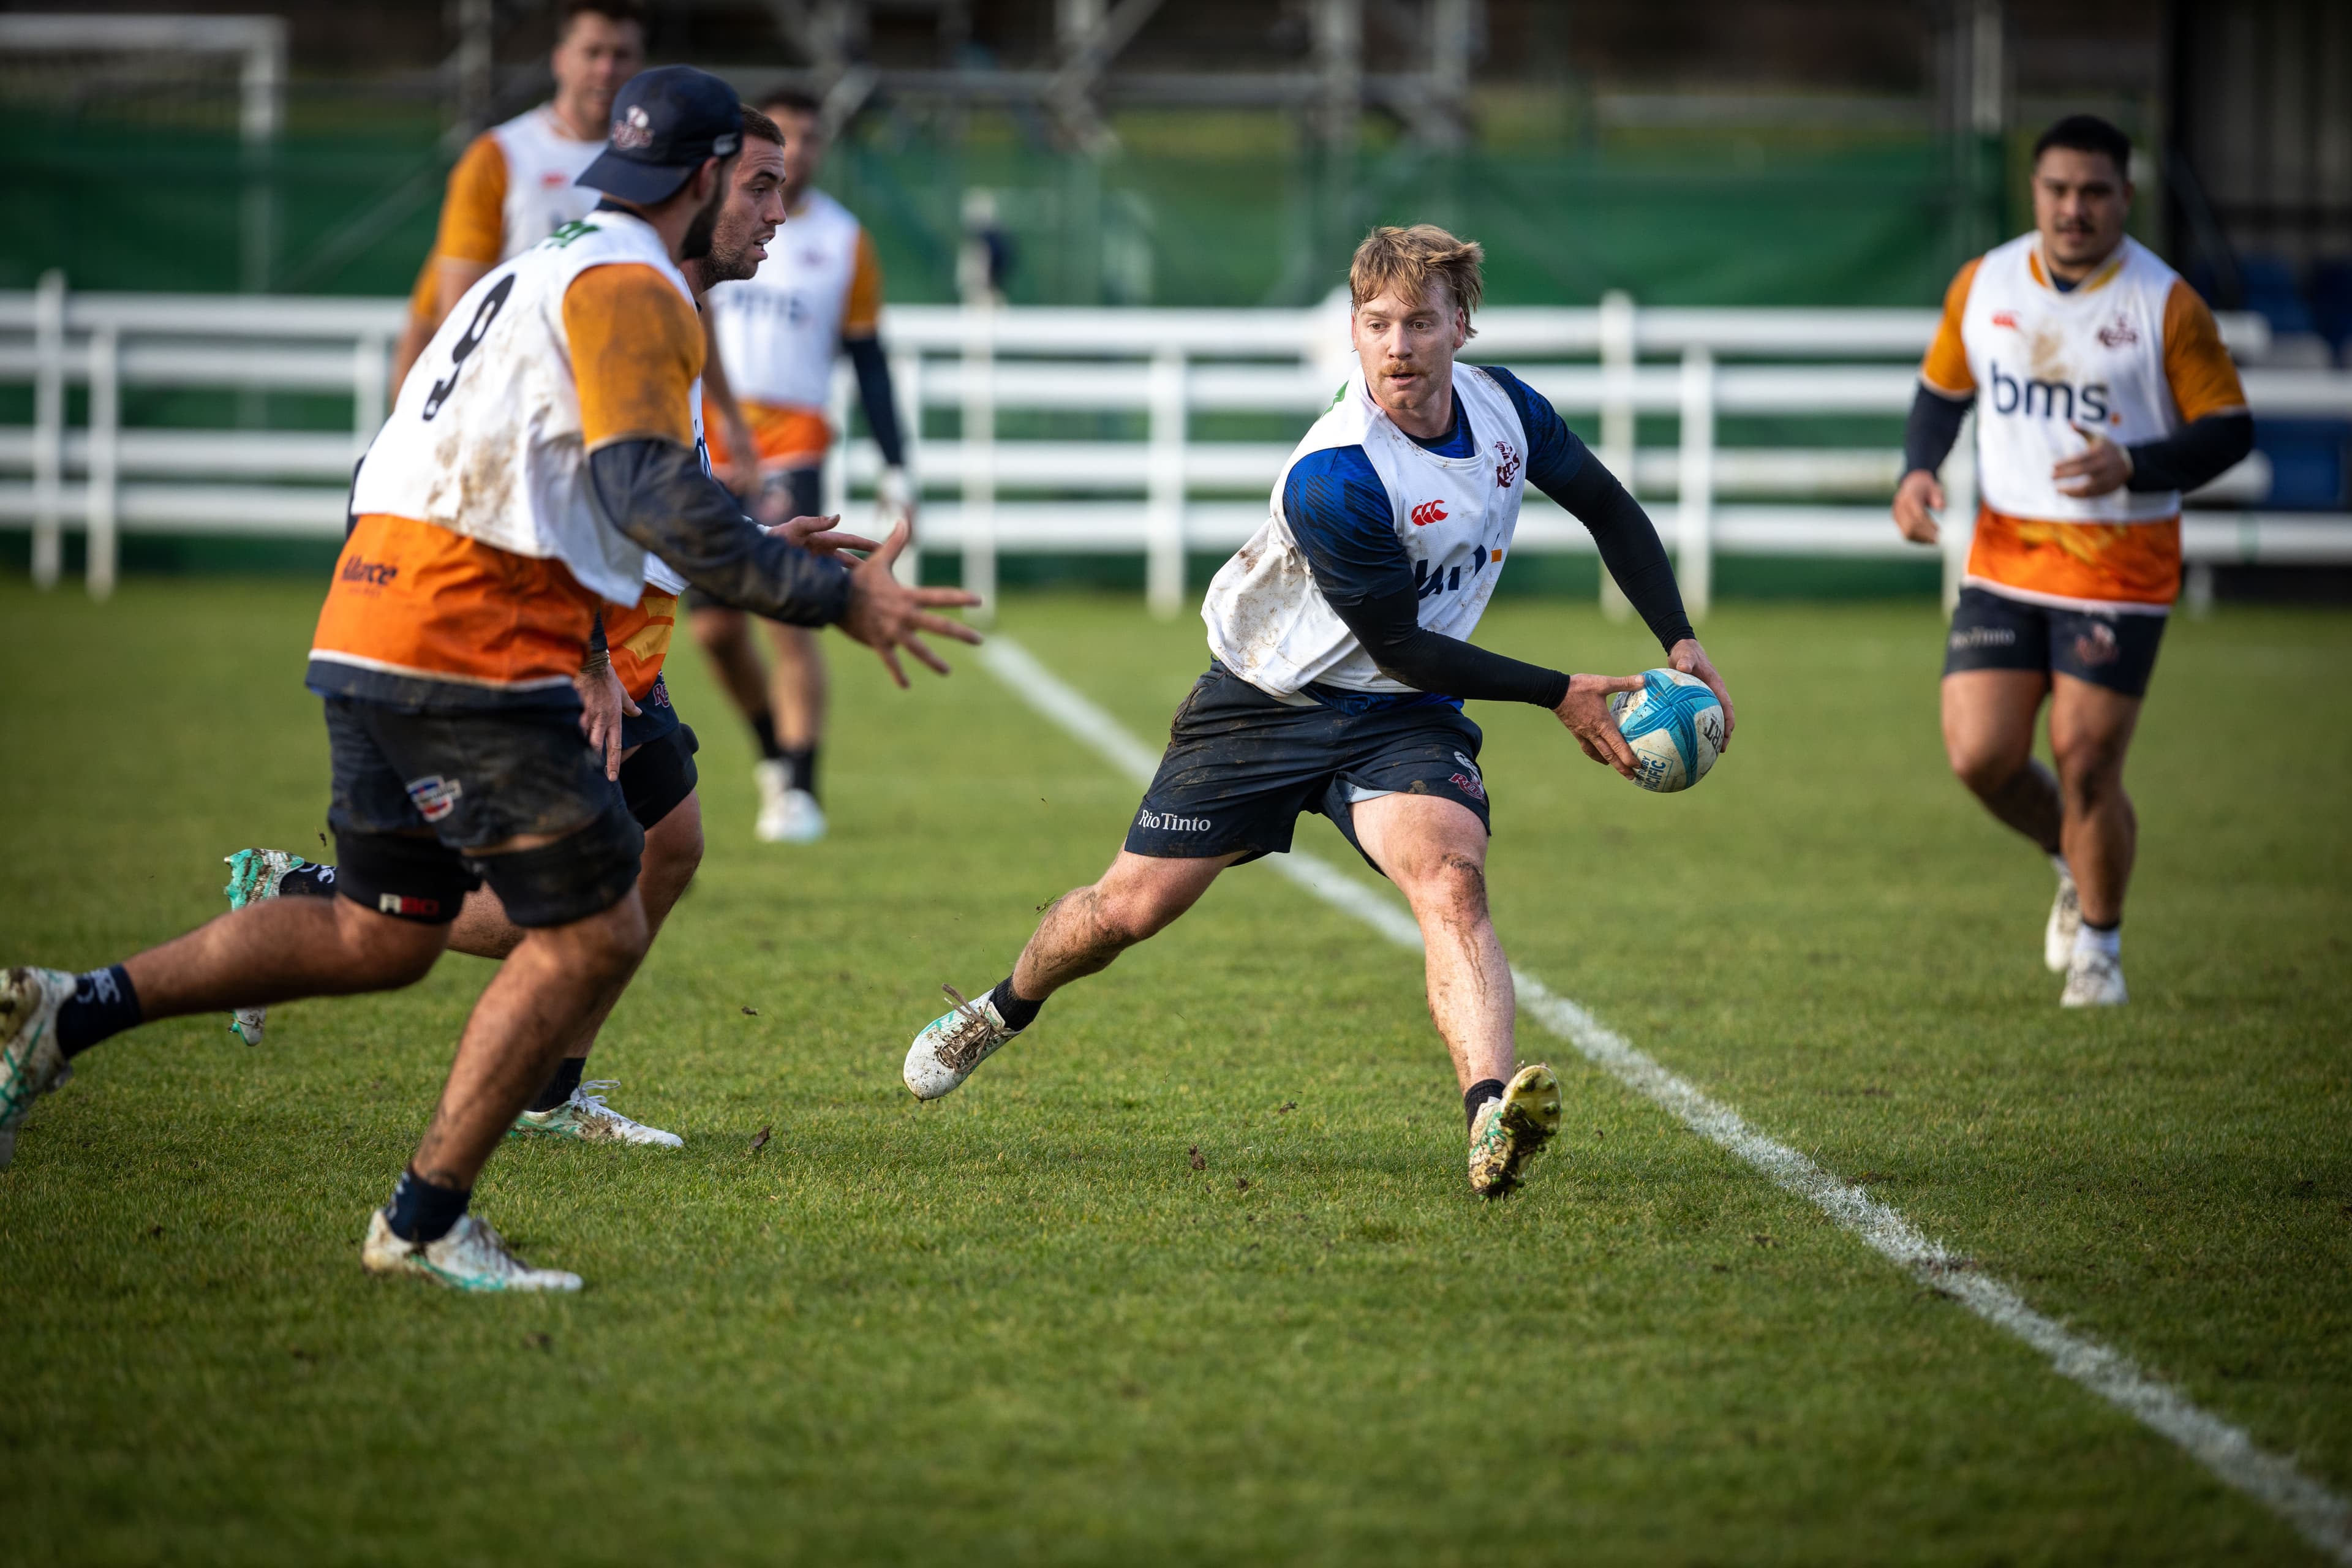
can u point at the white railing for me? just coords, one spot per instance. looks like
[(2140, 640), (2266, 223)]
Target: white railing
[(1139, 476)]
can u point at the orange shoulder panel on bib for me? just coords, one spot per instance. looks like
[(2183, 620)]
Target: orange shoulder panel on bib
[(411, 598), (473, 213), (639, 639), (2093, 563), (636, 348), (2203, 377), (1946, 368)]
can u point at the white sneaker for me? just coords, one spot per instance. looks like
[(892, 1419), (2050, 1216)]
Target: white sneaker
[(1512, 1130), (2094, 979), (31, 1065), (787, 815), (2065, 920), (588, 1120), (254, 875), (472, 1257), (953, 1045)]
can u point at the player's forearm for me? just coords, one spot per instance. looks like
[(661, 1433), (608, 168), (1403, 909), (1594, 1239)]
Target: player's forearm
[(874, 390), (655, 493), (2197, 454), (1390, 630), (1934, 426), (1629, 546)]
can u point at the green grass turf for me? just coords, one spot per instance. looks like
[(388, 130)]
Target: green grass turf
[(1018, 1326)]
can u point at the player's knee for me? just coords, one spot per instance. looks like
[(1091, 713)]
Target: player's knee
[(2089, 769), (716, 631), (379, 954), (1455, 888), (1985, 767)]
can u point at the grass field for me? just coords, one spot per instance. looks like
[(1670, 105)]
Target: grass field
[(1019, 1326)]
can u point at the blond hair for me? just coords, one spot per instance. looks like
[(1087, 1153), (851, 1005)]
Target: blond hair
[(1406, 261)]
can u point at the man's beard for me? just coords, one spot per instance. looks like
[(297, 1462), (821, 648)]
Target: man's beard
[(731, 253), (697, 243)]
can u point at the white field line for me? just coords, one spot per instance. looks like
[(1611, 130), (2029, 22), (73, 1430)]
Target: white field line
[(2324, 1518)]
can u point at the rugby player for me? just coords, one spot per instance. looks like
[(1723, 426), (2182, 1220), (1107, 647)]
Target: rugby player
[(2102, 391), (546, 444), (774, 339), (517, 182), (1339, 665), (626, 711)]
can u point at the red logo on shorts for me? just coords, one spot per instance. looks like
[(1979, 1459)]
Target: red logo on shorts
[(2097, 646), (1427, 512), (401, 904)]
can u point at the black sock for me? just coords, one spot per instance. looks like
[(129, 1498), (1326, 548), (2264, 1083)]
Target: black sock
[(558, 1087), (1017, 1013), (308, 881), (763, 730), (422, 1210), (800, 767), (1475, 1097), (104, 1003)]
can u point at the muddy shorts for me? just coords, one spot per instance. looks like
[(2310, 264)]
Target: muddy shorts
[(415, 794), (2106, 648), (802, 491), (1240, 766)]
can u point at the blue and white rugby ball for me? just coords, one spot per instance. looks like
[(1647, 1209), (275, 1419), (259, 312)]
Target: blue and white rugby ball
[(1675, 726)]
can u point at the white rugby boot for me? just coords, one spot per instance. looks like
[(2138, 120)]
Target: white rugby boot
[(2065, 920), (31, 1065), (254, 875), (1512, 1130), (775, 783), (586, 1119), (472, 1257), (953, 1045), (2094, 979)]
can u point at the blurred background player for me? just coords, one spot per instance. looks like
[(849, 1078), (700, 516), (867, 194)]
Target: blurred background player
[(517, 182), (773, 340), (648, 751), (1339, 664), (2102, 391)]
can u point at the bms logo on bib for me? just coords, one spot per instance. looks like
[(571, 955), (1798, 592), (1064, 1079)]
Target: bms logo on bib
[(2037, 399)]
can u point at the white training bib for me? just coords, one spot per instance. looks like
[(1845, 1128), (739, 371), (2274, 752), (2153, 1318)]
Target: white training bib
[(543, 165), (780, 329), (485, 439), (2044, 361), (1271, 625)]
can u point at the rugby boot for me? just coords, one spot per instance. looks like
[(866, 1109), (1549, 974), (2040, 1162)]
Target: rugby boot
[(953, 1045), (31, 1065), (585, 1118), (254, 875), (472, 1257), (2065, 920), (2094, 979), (1512, 1130), (780, 821)]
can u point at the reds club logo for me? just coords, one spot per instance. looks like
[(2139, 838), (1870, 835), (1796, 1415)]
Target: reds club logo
[(633, 132), (1506, 465), (2117, 333), (2097, 646), (1427, 512)]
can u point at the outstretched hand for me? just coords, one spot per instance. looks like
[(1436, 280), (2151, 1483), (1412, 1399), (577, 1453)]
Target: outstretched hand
[(1585, 711), (1690, 658), (819, 537), (887, 615)]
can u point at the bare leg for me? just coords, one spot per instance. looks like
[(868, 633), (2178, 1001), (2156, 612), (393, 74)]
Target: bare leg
[(537, 1001), (1988, 735), (1087, 927), (2090, 732), (281, 950), (1434, 850), (797, 685), (726, 637)]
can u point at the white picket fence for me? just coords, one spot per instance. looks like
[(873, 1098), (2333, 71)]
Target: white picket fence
[(1152, 486)]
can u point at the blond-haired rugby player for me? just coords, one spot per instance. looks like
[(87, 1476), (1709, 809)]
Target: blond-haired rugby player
[(649, 751), (2102, 391), (544, 446), (517, 182), (1340, 662), (774, 336)]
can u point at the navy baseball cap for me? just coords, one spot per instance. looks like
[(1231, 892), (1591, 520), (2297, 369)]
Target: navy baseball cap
[(666, 122)]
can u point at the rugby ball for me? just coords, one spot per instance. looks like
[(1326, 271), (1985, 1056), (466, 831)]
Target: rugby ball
[(1675, 726)]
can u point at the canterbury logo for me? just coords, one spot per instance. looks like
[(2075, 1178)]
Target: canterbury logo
[(1427, 512)]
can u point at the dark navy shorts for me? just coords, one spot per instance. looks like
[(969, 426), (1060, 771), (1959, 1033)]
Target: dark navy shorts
[(416, 793), (1240, 766), (2105, 648), (654, 716)]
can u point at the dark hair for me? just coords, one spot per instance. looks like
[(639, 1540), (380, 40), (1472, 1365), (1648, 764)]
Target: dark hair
[(757, 124), (2087, 133), (792, 100), (610, 10)]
